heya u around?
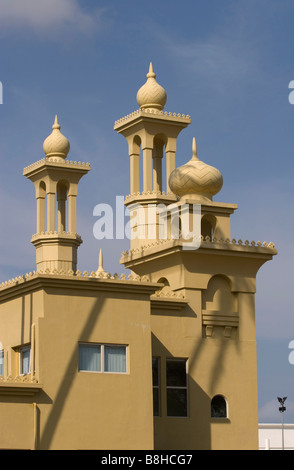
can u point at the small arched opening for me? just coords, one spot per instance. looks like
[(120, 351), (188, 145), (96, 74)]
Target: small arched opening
[(219, 407), (208, 224)]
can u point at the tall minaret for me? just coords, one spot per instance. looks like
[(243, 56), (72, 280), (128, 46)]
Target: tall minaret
[(153, 132), (56, 184)]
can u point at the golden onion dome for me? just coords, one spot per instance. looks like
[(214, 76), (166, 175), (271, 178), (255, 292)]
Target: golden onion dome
[(195, 179), (151, 94), (56, 144)]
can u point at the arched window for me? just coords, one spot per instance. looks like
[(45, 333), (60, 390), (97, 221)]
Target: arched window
[(208, 224), (218, 407)]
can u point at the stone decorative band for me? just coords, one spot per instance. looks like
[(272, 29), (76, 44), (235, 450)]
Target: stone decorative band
[(140, 112), (205, 241), (54, 161), (74, 275)]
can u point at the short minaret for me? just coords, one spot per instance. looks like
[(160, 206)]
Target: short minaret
[(56, 184), (151, 134)]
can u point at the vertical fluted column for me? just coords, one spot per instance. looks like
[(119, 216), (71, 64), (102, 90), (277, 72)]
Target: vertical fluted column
[(72, 213), (134, 173), (40, 214), (170, 166)]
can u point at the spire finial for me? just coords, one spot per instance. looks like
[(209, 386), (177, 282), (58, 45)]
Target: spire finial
[(56, 124), (151, 73), (194, 150), (100, 267)]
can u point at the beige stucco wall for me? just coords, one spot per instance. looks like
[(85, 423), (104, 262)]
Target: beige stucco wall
[(83, 410)]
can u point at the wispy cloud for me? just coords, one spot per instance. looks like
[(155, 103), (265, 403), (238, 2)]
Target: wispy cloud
[(45, 15)]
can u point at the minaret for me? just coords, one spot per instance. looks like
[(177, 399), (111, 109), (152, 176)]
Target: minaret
[(56, 184), (152, 132)]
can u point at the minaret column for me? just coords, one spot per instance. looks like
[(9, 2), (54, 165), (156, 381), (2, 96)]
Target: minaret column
[(134, 173), (72, 208), (170, 151), (40, 214)]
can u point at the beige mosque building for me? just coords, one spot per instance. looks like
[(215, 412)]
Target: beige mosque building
[(164, 358)]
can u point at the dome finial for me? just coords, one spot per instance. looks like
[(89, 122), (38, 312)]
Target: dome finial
[(56, 145), (56, 124), (194, 150), (151, 95), (151, 73)]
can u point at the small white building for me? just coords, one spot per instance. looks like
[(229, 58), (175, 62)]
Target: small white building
[(271, 436)]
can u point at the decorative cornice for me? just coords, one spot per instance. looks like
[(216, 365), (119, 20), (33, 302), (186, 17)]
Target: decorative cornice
[(227, 244), (87, 280), (19, 386), (55, 162), (186, 119)]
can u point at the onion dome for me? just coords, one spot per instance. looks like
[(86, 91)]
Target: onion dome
[(195, 179), (151, 94), (56, 145)]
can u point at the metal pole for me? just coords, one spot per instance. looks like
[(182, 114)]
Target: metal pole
[(282, 431)]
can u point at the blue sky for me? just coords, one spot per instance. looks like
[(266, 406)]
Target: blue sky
[(226, 63)]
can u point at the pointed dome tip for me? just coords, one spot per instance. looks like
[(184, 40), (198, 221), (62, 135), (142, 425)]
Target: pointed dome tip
[(56, 124), (194, 148), (151, 71)]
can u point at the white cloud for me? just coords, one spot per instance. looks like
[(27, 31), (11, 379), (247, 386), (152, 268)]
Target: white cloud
[(41, 15)]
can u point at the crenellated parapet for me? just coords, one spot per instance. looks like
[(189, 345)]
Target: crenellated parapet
[(165, 115), (205, 242)]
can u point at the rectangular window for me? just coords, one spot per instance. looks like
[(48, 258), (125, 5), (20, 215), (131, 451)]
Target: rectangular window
[(24, 360), (2, 362), (115, 359), (90, 357), (156, 389), (176, 387), (102, 358)]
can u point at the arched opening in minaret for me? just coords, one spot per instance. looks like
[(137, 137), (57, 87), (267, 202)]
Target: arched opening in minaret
[(166, 286), (62, 217), (159, 171), (208, 224), (218, 296)]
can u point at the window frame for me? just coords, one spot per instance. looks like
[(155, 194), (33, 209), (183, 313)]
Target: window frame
[(102, 357), (177, 387), (21, 350), (157, 387)]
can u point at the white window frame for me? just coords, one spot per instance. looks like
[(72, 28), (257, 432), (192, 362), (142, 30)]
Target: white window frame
[(102, 359), (176, 387), (21, 350)]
